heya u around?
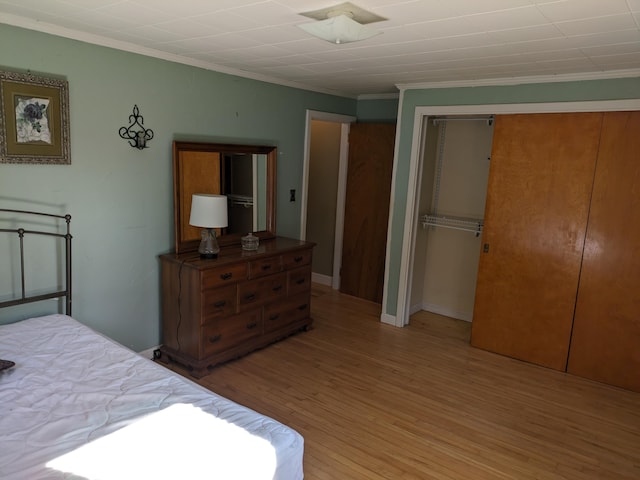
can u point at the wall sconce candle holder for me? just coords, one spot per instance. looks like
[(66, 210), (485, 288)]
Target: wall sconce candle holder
[(135, 133)]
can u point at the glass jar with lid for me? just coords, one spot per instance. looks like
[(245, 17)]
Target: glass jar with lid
[(250, 242)]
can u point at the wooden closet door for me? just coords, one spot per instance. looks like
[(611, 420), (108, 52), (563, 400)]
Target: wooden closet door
[(605, 344), (540, 180)]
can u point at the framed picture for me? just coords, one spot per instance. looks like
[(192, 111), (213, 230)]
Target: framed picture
[(34, 119)]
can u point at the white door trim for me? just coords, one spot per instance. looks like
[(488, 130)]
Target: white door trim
[(340, 205), (345, 120), (421, 113), (392, 319)]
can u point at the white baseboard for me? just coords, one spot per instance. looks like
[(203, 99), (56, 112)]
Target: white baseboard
[(447, 312), (415, 308), (321, 279), (388, 319)]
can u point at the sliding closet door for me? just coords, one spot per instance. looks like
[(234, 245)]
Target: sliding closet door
[(605, 344), (540, 182)]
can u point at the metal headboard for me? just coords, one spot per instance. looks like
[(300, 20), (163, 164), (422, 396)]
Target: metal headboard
[(21, 232)]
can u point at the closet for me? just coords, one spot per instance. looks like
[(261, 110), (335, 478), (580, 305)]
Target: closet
[(455, 170), (560, 264)]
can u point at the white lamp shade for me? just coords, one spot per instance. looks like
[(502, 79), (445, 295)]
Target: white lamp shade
[(208, 211), (339, 29)]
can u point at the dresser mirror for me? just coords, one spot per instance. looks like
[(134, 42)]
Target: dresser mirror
[(246, 174)]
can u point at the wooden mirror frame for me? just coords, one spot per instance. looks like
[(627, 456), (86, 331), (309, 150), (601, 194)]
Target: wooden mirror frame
[(183, 245)]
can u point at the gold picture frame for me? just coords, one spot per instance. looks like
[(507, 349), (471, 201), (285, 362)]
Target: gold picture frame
[(34, 119)]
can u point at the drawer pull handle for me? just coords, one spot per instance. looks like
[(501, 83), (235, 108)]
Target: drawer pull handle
[(300, 281), (220, 304), (277, 288), (266, 266), (274, 317), (298, 259), (251, 326), (215, 338), (250, 297), (303, 307), (226, 276)]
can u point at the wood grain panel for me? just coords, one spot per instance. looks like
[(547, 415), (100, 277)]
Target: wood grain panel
[(605, 344), (212, 311), (200, 174), (540, 181), (227, 333), (367, 209)]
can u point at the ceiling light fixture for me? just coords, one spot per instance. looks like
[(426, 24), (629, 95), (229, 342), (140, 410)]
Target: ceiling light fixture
[(342, 23)]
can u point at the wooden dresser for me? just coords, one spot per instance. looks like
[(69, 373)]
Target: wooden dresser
[(217, 310)]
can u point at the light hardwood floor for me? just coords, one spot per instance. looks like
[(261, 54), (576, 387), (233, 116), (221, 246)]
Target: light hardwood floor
[(378, 402)]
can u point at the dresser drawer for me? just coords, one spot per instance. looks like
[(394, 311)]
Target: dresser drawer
[(296, 259), (217, 276), (281, 314), (219, 302), (258, 292), (214, 310), (299, 280), (229, 332), (265, 266)]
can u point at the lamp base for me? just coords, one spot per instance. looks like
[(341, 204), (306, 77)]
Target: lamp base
[(208, 245)]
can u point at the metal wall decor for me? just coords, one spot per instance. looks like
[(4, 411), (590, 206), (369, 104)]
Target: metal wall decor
[(135, 133)]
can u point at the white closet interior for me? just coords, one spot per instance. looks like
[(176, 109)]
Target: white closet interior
[(455, 172)]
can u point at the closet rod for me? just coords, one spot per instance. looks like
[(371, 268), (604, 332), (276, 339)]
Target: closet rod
[(240, 200), (489, 120), (473, 225)]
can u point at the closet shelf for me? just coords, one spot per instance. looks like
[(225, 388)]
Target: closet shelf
[(236, 200), (457, 223)]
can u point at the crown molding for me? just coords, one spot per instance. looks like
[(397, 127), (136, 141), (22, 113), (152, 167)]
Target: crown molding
[(503, 81), (44, 27), (379, 96)]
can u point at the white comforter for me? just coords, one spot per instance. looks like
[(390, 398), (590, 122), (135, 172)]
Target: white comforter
[(78, 405)]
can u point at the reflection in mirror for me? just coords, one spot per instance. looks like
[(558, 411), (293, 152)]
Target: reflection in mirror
[(200, 173), (244, 173), (244, 181)]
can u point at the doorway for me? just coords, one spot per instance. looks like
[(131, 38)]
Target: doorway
[(366, 154), (323, 192), (451, 200)]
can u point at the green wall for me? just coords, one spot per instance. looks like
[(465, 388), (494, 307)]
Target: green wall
[(577, 91), (120, 198), (383, 110)]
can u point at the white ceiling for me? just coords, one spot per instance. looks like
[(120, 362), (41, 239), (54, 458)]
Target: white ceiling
[(423, 42)]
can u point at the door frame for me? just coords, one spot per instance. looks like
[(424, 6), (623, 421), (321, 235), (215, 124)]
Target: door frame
[(345, 121), (421, 115)]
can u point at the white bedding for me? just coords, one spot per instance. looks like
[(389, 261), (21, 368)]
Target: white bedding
[(78, 405)]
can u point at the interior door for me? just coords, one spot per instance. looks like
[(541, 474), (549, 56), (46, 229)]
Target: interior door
[(605, 344), (371, 147), (540, 181)]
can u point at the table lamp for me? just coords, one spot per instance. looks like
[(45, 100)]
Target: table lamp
[(209, 212)]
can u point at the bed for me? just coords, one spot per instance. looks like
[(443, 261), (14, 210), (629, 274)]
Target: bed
[(78, 405)]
